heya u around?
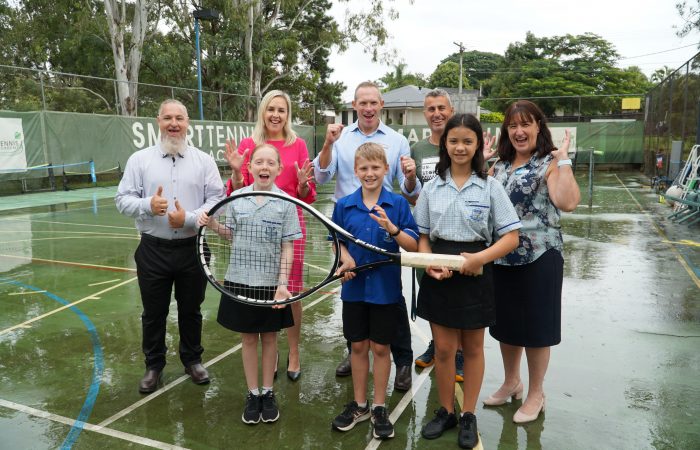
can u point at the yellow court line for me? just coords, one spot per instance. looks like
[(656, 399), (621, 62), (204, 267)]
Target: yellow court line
[(661, 233), (52, 312), (685, 242), (69, 263)]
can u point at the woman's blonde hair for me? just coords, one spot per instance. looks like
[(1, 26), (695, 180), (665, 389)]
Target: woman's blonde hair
[(259, 136)]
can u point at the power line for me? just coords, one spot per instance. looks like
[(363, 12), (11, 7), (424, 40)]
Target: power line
[(662, 51)]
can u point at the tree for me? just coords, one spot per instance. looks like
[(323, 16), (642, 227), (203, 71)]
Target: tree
[(477, 66), (564, 66), (399, 78), (127, 36), (446, 74), (691, 17)]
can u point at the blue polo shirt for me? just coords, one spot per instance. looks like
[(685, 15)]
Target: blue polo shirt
[(381, 285)]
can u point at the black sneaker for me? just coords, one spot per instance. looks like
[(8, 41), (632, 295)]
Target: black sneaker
[(351, 415), (468, 436), (383, 428), (269, 411), (442, 421), (253, 406), (427, 359)]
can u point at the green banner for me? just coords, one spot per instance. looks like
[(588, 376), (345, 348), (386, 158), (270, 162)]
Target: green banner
[(68, 138)]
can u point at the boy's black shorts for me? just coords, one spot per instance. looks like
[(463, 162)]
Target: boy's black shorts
[(377, 323)]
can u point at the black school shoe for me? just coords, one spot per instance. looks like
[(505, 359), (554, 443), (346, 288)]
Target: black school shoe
[(269, 412), (383, 428), (443, 421), (253, 407), (351, 415), (468, 436)]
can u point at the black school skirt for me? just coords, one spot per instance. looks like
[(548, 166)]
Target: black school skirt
[(243, 318), (462, 302)]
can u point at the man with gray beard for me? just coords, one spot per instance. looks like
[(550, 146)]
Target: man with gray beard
[(164, 188)]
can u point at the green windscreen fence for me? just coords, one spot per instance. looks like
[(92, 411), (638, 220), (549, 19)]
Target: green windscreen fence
[(59, 138), (31, 139)]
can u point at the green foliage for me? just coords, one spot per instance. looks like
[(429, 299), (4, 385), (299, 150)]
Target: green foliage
[(398, 78), (477, 66), (491, 117), (447, 75), (690, 15), (564, 66)]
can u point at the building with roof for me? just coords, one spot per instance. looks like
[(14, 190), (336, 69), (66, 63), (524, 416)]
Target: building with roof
[(404, 106)]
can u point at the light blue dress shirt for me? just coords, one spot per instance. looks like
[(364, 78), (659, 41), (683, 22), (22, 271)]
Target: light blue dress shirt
[(342, 163), (192, 178)]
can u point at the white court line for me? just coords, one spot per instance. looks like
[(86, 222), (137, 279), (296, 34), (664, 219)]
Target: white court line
[(408, 396), (88, 225), (89, 297), (105, 236), (103, 282), (108, 421), (69, 263), (87, 426), (26, 292)]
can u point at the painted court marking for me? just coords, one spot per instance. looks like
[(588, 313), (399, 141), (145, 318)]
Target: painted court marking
[(70, 263), (52, 312), (661, 233), (87, 426)]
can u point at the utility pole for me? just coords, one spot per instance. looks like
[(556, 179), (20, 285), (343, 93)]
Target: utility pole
[(461, 52)]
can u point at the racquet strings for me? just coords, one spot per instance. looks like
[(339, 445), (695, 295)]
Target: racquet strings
[(247, 242)]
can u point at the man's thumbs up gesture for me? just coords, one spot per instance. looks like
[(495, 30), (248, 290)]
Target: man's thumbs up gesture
[(176, 218)]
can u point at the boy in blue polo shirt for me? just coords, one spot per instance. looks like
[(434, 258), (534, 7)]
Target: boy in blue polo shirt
[(371, 298)]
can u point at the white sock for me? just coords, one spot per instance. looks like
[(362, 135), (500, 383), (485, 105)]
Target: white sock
[(362, 405), (266, 390), (374, 405), (255, 391)]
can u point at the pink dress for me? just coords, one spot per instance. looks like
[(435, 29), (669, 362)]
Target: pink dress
[(287, 181)]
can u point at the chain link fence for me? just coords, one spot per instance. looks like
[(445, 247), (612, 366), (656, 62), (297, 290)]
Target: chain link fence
[(23, 89), (671, 119)]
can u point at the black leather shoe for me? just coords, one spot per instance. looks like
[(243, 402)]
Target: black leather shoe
[(198, 373), (403, 379), (343, 369), (150, 381), (292, 374)]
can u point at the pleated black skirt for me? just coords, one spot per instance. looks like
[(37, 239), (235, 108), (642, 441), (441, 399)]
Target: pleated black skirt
[(243, 318), (462, 302)]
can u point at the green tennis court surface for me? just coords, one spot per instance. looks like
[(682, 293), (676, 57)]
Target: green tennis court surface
[(625, 375)]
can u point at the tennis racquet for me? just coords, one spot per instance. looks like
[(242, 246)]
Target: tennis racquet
[(267, 248)]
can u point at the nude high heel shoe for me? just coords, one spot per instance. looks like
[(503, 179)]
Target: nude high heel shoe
[(521, 417), (515, 394), (497, 400)]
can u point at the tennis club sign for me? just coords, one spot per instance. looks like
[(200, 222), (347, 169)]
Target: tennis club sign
[(12, 156)]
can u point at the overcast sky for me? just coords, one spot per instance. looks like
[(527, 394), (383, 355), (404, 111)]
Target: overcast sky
[(425, 31)]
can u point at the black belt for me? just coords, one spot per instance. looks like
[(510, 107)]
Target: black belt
[(169, 242)]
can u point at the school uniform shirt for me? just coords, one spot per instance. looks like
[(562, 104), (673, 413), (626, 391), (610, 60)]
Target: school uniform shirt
[(342, 162), (381, 285), (258, 230), (477, 211), (190, 177)]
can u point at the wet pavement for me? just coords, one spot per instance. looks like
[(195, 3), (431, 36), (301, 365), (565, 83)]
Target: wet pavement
[(626, 375)]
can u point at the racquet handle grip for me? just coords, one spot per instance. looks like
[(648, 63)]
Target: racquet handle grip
[(423, 260)]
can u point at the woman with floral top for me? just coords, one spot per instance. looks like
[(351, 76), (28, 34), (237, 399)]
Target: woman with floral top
[(539, 180)]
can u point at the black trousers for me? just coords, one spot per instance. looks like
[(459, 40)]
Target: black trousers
[(401, 349), (160, 264)]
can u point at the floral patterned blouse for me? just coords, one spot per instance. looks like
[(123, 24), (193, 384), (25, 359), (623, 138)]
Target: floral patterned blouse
[(527, 188)]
